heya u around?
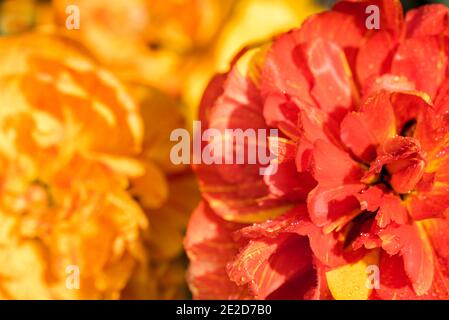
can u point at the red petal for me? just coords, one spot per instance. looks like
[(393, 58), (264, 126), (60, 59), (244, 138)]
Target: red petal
[(357, 137), (423, 61), (333, 87), (326, 67), (409, 106), (379, 117), (403, 159), (430, 204), (371, 198), (394, 283), (285, 61), (427, 21), (300, 287), (265, 265), (309, 286), (321, 290), (209, 245), (414, 246), (442, 98), (375, 56), (388, 82), (332, 166), (287, 183), (327, 205), (314, 125), (433, 125), (391, 210), (364, 131), (213, 91), (389, 206), (367, 240), (432, 131), (273, 228), (280, 112), (431, 200), (345, 30), (237, 192), (405, 179), (328, 248), (391, 12), (345, 25), (438, 233)]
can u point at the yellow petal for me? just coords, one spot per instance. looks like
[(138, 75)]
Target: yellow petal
[(349, 282), (151, 188), (161, 115), (168, 224)]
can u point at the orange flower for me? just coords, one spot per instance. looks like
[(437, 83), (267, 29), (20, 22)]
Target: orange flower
[(68, 132), (16, 16), (158, 35)]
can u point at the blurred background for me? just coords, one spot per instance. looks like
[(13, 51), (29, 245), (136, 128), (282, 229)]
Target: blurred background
[(162, 53)]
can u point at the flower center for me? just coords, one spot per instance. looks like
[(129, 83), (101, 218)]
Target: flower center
[(399, 165)]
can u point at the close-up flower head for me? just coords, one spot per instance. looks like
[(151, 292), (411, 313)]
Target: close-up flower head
[(224, 150), (358, 206)]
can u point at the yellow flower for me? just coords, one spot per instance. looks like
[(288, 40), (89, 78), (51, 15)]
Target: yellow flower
[(167, 209), (16, 16), (116, 33), (68, 135)]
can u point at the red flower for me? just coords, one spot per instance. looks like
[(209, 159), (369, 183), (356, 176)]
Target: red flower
[(363, 174)]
